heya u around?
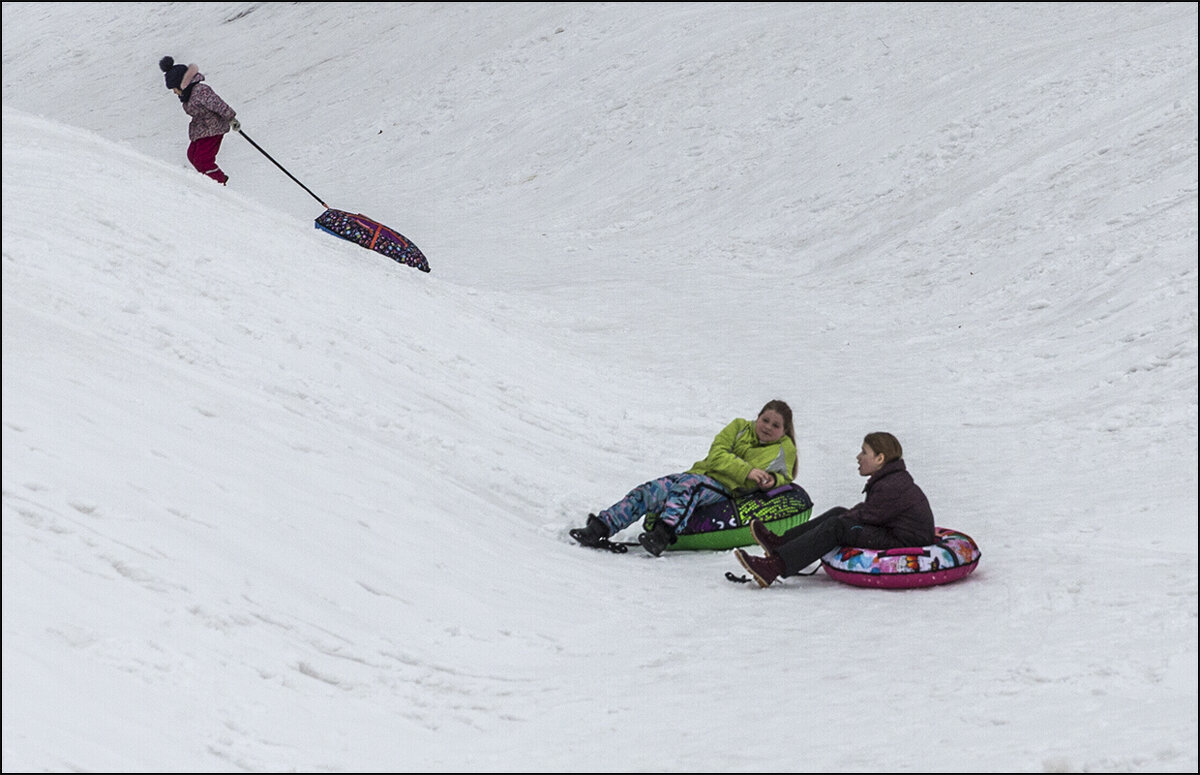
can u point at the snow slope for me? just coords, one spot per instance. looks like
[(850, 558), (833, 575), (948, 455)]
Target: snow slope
[(272, 502)]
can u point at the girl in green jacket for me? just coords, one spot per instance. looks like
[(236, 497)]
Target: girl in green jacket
[(745, 456)]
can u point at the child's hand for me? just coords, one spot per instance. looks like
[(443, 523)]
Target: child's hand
[(760, 477)]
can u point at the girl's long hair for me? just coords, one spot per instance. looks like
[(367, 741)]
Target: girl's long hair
[(785, 412)]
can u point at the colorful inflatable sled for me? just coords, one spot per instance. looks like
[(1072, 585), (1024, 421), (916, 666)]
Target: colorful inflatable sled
[(953, 556), (372, 235), (355, 227)]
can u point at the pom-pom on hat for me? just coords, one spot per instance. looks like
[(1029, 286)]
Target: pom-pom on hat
[(174, 72)]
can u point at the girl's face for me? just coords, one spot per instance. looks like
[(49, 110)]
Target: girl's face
[(869, 461), (769, 427)]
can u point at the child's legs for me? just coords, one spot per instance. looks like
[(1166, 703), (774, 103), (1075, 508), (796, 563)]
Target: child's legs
[(826, 532), (644, 498), (687, 492), (202, 154), (804, 527)]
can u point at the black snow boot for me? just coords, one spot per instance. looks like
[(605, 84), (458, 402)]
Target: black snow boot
[(595, 534), (657, 539)]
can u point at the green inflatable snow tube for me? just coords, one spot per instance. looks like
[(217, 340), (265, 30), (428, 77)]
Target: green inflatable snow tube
[(726, 524)]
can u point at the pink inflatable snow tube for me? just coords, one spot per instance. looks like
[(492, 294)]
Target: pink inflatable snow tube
[(953, 556)]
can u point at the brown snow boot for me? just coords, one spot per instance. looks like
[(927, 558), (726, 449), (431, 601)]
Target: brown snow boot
[(765, 537), (764, 569)]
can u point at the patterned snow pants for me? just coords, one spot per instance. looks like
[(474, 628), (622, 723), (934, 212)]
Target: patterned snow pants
[(672, 498)]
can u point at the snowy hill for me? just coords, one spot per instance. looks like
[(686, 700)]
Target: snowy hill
[(273, 502)]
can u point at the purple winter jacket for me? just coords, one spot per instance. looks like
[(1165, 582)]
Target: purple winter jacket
[(210, 115), (896, 512)]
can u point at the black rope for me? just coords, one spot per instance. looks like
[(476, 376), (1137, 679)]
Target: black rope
[(280, 166)]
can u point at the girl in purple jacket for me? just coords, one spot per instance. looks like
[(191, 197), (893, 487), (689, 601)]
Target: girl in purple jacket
[(895, 513), (211, 117)]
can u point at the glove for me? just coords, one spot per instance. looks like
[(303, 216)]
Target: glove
[(234, 124)]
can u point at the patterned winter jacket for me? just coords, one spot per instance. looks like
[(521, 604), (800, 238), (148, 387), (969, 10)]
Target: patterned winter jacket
[(896, 512), (210, 115), (736, 451)]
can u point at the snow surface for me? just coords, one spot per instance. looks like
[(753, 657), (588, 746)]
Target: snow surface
[(273, 502)]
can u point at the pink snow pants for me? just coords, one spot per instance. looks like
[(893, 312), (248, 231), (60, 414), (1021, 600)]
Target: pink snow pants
[(202, 154)]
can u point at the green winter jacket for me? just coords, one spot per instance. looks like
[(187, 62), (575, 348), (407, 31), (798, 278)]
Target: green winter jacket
[(736, 451)]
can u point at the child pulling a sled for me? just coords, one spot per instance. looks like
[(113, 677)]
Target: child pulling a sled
[(212, 118)]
